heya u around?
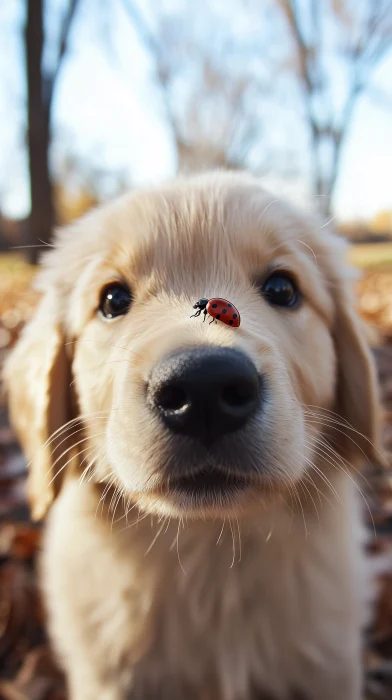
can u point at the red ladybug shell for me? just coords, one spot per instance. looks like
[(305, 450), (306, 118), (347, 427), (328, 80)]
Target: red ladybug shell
[(224, 311)]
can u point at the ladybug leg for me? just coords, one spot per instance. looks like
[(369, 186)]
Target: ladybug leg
[(205, 314), (214, 319), (198, 312)]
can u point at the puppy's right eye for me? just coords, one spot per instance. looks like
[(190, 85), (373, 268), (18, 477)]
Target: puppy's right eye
[(280, 290), (115, 300)]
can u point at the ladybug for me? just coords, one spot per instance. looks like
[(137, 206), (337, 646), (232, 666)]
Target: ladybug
[(220, 310)]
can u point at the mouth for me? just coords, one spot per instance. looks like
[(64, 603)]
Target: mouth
[(208, 485)]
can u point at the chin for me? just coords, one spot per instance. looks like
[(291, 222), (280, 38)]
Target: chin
[(210, 495)]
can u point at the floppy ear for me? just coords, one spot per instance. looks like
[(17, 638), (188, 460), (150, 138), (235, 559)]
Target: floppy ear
[(357, 386), (37, 378)]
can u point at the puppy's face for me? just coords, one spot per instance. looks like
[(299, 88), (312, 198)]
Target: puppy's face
[(187, 417)]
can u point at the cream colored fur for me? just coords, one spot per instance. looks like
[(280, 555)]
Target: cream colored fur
[(148, 596)]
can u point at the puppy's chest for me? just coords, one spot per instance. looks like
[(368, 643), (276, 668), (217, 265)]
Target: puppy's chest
[(217, 623)]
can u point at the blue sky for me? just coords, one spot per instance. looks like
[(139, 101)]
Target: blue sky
[(104, 107)]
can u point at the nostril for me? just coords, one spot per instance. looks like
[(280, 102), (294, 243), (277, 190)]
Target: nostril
[(172, 397), (238, 395)]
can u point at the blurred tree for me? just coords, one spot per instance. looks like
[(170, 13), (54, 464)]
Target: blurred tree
[(338, 44), (211, 87), (40, 89)]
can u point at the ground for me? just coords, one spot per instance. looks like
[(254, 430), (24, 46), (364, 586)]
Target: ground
[(27, 670)]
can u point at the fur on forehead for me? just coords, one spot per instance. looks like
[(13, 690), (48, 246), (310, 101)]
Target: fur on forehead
[(189, 223)]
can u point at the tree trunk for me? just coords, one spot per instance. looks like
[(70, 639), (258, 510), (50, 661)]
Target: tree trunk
[(41, 217)]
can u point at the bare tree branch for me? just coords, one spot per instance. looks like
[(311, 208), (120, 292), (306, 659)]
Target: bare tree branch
[(363, 51), (212, 124), (63, 46), (154, 48), (141, 27), (291, 12)]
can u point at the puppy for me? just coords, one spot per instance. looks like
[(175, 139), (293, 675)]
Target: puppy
[(204, 539)]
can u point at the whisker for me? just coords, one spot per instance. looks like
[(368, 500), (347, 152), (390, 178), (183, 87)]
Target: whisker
[(294, 491), (333, 427), (106, 490), (60, 430), (350, 466), (221, 532), (120, 494), (311, 250), (70, 460), (321, 474), (239, 541), (32, 245), (327, 222), (127, 511), (117, 490), (178, 546), (155, 538), (233, 540), (136, 522), (70, 435), (302, 485), (335, 418), (94, 452), (320, 494), (334, 463)]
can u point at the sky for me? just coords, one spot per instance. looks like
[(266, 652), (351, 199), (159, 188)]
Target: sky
[(107, 114)]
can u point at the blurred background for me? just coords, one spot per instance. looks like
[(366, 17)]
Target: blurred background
[(99, 97)]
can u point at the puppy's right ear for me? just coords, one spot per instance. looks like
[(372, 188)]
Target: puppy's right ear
[(37, 379)]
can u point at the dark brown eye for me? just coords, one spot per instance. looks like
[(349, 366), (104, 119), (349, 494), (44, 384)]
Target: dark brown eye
[(115, 300), (280, 290)]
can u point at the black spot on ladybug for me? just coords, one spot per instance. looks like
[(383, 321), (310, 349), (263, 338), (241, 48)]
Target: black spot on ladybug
[(231, 323), (224, 311), (230, 306), (214, 306), (235, 316), (218, 316)]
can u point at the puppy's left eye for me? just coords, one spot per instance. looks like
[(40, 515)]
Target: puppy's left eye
[(280, 290), (115, 300)]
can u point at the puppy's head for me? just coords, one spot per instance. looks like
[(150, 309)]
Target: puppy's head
[(184, 416)]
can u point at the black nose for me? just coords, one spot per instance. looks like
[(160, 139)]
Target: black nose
[(205, 392)]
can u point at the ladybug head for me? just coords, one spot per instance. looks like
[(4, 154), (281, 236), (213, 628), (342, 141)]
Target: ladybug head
[(201, 304)]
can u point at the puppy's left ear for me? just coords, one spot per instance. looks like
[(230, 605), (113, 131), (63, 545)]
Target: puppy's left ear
[(37, 377), (358, 400)]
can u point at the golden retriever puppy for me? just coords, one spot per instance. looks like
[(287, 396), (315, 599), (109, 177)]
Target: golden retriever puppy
[(204, 539)]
